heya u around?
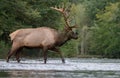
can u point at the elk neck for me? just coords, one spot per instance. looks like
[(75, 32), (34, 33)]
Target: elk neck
[(62, 38)]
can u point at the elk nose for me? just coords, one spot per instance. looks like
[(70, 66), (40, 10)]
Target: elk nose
[(76, 35)]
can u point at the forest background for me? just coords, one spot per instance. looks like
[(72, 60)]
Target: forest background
[(98, 25)]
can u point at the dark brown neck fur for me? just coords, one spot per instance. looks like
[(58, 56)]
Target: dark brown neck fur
[(62, 38)]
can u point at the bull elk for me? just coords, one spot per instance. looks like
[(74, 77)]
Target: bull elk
[(44, 38)]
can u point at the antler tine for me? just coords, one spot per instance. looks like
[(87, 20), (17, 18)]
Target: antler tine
[(65, 14), (74, 26), (63, 6), (58, 9)]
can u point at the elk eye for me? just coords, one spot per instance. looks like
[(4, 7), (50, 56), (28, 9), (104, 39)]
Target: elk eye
[(76, 33)]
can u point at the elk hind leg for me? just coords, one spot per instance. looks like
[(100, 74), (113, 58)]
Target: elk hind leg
[(10, 54), (12, 51), (17, 54), (58, 51)]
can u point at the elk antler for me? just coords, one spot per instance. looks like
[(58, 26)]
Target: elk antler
[(64, 13), (58, 9)]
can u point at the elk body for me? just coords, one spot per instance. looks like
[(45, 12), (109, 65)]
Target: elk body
[(43, 37)]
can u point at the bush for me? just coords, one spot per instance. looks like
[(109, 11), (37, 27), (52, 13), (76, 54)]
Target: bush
[(3, 49)]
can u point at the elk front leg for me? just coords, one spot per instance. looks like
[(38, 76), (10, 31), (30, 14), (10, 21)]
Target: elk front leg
[(45, 54), (17, 56), (58, 51)]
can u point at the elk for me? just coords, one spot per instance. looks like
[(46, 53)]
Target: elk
[(44, 38)]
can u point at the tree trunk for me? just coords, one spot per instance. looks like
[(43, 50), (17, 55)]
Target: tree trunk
[(84, 40)]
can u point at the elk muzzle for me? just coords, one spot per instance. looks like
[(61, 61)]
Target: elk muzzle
[(75, 36)]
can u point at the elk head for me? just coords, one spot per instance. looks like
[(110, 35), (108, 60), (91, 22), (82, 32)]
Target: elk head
[(68, 29)]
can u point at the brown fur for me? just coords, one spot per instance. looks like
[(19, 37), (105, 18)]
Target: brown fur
[(42, 37)]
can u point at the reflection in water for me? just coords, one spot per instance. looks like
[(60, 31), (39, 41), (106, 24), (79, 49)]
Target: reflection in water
[(61, 74), (4, 74)]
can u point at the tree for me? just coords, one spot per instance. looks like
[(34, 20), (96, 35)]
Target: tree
[(106, 33)]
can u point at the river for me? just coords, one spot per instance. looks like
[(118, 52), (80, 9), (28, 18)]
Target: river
[(73, 68)]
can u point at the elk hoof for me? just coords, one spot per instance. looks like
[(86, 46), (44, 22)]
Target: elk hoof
[(7, 61), (63, 61), (45, 62), (18, 61)]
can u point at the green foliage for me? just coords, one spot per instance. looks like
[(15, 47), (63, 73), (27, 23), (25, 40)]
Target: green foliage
[(106, 34), (3, 50), (69, 49), (110, 14), (4, 74)]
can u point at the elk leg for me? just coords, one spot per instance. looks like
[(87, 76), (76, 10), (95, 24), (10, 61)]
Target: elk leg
[(10, 54), (17, 57), (17, 54), (14, 48), (45, 54), (58, 51)]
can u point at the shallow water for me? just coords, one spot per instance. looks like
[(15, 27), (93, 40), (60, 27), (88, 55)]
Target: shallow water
[(73, 68)]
